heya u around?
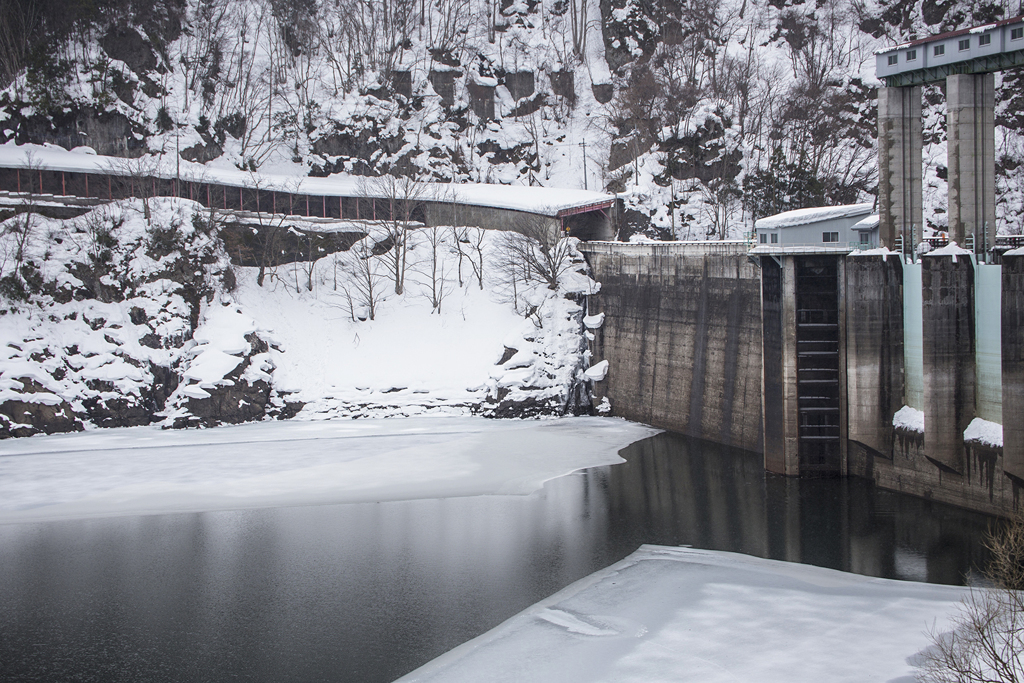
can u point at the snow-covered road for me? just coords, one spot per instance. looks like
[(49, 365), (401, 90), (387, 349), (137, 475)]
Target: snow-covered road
[(147, 470)]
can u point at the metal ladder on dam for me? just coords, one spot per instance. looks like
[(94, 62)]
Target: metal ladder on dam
[(817, 358)]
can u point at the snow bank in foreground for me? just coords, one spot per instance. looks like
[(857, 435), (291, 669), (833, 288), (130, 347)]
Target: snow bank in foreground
[(144, 470), (678, 614)]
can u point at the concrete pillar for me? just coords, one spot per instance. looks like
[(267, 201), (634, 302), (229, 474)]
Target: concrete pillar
[(1013, 366), (562, 84), (874, 348), (780, 407), (444, 85), (947, 295), (970, 105), (520, 84), (481, 99), (899, 165), (401, 81)]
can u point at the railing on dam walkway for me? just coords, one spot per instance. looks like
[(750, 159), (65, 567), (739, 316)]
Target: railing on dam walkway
[(718, 247)]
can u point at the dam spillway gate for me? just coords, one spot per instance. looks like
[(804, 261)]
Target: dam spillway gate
[(817, 364)]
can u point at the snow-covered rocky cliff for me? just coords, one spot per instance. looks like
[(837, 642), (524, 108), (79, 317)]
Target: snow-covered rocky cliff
[(116, 319), (702, 115)]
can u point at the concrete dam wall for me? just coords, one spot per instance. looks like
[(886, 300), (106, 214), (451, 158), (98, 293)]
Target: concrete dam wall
[(682, 335), (827, 364)]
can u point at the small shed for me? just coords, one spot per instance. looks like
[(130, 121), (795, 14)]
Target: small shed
[(832, 226), (867, 232)]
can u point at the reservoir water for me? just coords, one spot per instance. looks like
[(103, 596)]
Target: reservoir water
[(369, 592)]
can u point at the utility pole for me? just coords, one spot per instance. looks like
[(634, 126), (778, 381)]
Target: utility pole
[(584, 146)]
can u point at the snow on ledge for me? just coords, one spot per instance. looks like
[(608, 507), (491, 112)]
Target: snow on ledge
[(597, 372), (909, 419), (951, 249), (867, 223), (884, 252), (985, 433)]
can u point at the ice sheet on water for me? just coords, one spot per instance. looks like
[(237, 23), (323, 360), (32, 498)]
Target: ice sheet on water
[(146, 470)]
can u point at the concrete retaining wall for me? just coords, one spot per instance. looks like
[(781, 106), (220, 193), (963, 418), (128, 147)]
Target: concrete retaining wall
[(682, 335)]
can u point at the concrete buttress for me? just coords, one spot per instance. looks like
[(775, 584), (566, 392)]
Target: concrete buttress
[(947, 294), (874, 348)]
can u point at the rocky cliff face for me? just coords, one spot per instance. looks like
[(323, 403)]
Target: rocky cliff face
[(100, 315)]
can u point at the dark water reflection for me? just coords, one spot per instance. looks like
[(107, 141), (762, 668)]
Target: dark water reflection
[(369, 592)]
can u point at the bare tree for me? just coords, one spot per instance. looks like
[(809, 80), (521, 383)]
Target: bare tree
[(458, 235), (21, 230), (21, 21), (533, 256), (538, 250), (398, 203), (469, 242), (201, 48), (137, 178), (433, 269), (305, 260), (362, 280), (264, 243), (986, 644)]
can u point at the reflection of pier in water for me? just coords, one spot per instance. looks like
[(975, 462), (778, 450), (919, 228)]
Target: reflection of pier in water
[(692, 492)]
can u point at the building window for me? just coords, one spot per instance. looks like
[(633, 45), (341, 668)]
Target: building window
[(893, 59), (764, 238), (775, 238), (865, 238), (830, 237), (911, 55), (1016, 33), (965, 44), (984, 39), (939, 50)]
